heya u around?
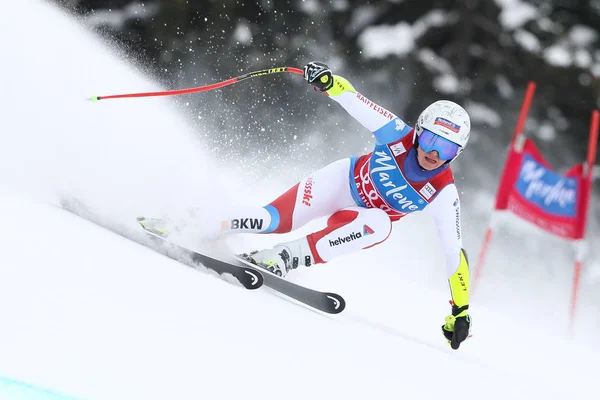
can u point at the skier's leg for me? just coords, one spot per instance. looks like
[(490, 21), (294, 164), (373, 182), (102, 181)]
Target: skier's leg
[(319, 194), (348, 230)]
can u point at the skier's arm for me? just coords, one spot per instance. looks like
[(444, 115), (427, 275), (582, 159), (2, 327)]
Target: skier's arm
[(386, 126), (445, 209)]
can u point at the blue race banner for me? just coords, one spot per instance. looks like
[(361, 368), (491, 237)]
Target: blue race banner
[(553, 193), (542, 196)]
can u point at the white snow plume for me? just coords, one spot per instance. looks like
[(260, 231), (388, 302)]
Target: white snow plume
[(115, 159)]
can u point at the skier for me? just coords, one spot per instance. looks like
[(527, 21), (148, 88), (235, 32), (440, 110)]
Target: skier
[(407, 171)]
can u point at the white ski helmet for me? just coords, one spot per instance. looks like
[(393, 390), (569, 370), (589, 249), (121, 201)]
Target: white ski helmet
[(448, 120)]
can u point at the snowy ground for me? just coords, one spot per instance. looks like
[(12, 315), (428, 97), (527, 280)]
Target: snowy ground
[(92, 314)]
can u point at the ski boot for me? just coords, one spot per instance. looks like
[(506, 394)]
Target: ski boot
[(283, 257)]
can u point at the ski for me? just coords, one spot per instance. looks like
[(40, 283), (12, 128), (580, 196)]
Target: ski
[(331, 303), (251, 275), (250, 278)]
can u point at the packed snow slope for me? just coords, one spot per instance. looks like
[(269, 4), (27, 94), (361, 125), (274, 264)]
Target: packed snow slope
[(88, 312)]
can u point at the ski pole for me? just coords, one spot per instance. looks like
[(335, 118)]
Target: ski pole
[(201, 88)]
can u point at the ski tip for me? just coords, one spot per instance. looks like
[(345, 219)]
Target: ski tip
[(141, 221), (337, 304), (153, 226)]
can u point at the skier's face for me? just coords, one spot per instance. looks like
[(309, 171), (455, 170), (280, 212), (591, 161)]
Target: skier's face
[(429, 161)]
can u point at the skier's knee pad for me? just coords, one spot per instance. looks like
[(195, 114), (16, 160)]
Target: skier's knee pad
[(350, 230)]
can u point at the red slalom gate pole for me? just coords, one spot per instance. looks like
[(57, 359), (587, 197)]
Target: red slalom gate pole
[(589, 178), (482, 254), (201, 88), (527, 100)]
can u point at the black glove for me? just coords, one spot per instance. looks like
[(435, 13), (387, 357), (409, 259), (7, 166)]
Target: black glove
[(457, 326), (319, 75)]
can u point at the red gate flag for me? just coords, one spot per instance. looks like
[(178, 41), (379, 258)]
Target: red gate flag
[(533, 191), (530, 189)]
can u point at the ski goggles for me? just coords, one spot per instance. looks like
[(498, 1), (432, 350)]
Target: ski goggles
[(446, 149)]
